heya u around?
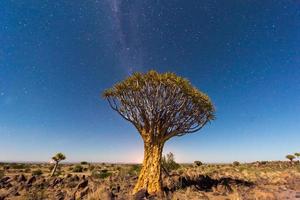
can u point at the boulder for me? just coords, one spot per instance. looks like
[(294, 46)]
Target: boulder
[(31, 180), (59, 195), (14, 191), (4, 179), (84, 192), (21, 178), (82, 184)]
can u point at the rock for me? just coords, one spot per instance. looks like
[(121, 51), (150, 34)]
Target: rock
[(4, 179), (55, 181), (59, 195), (223, 189), (31, 180), (116, 189), (82, 184), (7, 185), (68, 176), (21, 178), (140, 195), (84, 192), (76, 178), (14, 191), (73, 196), (106, 195)]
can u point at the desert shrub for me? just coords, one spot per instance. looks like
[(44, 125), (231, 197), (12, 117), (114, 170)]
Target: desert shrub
[(77, 168), (6, 167), (18, 166), (181, 171), (135, 169), (101, 174), (51, 167), (36, 194), (168, 162), (198, 163), (91, 167), (263, 162), (83, 163), (236, 163), (37, 172), (28, 170), (132, 170), (1, 174), (297, 168)]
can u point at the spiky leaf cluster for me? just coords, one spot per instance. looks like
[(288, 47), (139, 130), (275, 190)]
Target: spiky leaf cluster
[(164, 105), (59, 157)]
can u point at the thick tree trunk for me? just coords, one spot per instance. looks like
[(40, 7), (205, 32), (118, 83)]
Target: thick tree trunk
[(54, 169), (150, 175)]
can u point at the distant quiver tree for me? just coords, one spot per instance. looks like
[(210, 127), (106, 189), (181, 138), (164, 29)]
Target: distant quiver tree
[(57, 158), (160, 106), (290, 157)]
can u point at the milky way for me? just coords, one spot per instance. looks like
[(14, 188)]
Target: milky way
[(56, 58), (125, 25)]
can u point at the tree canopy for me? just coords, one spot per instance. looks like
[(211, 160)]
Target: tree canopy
[(59, 157), (164, 105), (290, 157)]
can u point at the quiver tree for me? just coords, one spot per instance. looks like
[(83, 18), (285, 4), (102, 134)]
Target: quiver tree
[(290, 157), (57, 158), (160, 106)]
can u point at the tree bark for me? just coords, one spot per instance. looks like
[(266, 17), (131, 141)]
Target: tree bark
[(54, 169), (150, 175)]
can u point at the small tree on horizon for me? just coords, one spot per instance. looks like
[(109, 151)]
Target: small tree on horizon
[(160, 106), (297, 155), (290, 157), (57, 158), (168, 162)]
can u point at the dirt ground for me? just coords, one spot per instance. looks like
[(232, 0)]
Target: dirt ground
[(257, 181)]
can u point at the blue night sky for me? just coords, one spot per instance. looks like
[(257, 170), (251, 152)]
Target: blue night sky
[(56, 58)]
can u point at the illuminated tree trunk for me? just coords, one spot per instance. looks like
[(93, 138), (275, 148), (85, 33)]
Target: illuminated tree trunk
[(54, 169), (150, 175)]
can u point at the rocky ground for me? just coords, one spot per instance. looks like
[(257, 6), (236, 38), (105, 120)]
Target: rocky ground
[(257, 181)]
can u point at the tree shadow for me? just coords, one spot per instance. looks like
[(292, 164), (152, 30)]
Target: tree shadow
[(204, 183)]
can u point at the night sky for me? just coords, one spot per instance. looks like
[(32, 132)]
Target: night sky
[(56, 58)]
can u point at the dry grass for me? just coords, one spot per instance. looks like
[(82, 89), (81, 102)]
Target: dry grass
[(209, 181)]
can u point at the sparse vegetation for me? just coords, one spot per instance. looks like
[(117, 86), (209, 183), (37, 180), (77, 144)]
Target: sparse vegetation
[(168, 162), (36, 194), (236, 163), (77, 168), (224, 181), (18, 166), (198, 163), (1, 174), (101, 174), (135, 169), (83, 162), (160, 106), (37, 172)]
